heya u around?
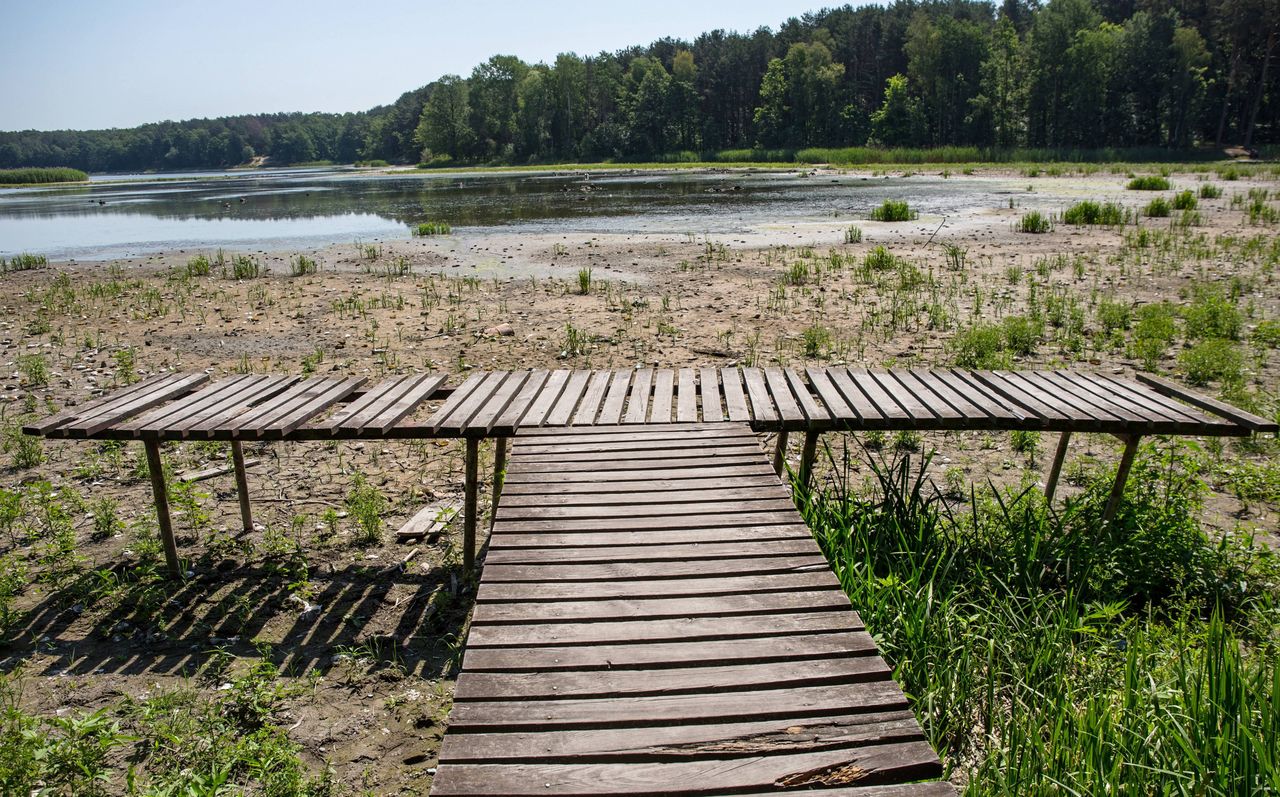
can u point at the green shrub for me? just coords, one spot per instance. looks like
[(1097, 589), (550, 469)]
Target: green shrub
[(853, 234), (1089, 212), (432, 228), (1157, 208), (1034, 222), (1154, 333), (23, 262), (1212, 314), (1210, 191), (893, 210), (244, 267), (1185, 200), (301, 265), (199, 266), (1212, 360), (1266, 334), (1021, 334), (365, 502), (1114, 316), (1149, 182), (980, 346), (879, 259)]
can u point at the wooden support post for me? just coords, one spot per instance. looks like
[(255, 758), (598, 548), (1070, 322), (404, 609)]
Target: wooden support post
[(242, 485), (780, 453), (470, 506), (806, 458), (1051, 486), (499, 473), (1122, 476), (161, 494)]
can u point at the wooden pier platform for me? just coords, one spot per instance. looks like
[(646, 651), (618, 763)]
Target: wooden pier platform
[(655, 618)]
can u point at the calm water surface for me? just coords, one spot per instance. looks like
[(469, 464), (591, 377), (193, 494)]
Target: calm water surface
[(117, 216)]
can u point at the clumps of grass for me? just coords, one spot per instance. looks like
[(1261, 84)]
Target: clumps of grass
[(853, 234), (879, 259), (1210, 191), (34, 369), (1266, 335), (1212, 313), (199, 266), (1185, 200), (1216, 359), (995, 345), (365, 503), (1157, 208), (817, 340), (1088, 654), (893, 210), (243, 267), (1154, 332), (301, 265), (38, 175), (1149, 182), (576, 341), (23, 262), (1088, 212), (432, 228), (1035, 222), (584, 281)]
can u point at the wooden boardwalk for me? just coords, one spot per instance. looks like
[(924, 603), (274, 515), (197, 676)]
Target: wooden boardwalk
[(655, 618)]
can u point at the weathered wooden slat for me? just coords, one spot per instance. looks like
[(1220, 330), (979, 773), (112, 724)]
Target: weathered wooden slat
[(97, 416), (189, 404), (687, 397), (861, 383), (1064, 402), (711, 505), (1142, 400), (977, 395), (568, 401), (663, 391), (638, 403), (735, 401), (939, 398), (1248, 420), (592, 398), (514, 415), (459, 396), (708, 386), (277, 427), (217, 418), (814, 413), (487, 415), (918, 410), (782, 398), (457, 422), (611, 412), (1114, 408), (762, 408), (621, 609), (1030, 404)]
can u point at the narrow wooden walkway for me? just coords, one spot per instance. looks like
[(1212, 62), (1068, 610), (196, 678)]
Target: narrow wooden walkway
[(655, 618)]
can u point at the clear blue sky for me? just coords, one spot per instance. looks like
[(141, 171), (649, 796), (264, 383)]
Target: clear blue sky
[(119, 63)]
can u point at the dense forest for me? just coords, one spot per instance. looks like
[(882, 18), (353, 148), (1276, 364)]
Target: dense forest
[(1066, 74)]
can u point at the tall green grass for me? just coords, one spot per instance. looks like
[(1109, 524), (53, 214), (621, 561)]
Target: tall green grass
[(893, 210), (1047, 653), (35, 176), (1090, 212)]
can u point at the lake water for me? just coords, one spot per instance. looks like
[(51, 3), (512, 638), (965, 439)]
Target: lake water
[(120, 216)]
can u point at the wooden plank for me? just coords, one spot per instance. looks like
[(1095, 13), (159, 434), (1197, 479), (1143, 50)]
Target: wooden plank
[(783, 647), (885, 404), (943, 395), (568, 401), (611, 412), (726, 520), (574, 490), (285, 423), (663, 392), (497, 592), (592, 398), (836, 407), (1248, 420), (634, 452), (220, 418), (684, 741), (648, 538), (360, 407), (643, 570), (977, 395), (513, 416), (735, 400), (918, 410), (478, 716), (1029, 403), (762, 407), (189, 404), (637, 683), (456, 399), (647, 475), (709, 389), (602, 466), (1144, 400), (687, 396), (638, 406), (669, 552), (428, 522), (458, 422), (98, 416), (1101, 405), (487, 415), (621, 609), (1065, 402), (661, 497), (785, 402), (714, 505)]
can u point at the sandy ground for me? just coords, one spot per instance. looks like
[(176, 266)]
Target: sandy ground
[(385, 637)]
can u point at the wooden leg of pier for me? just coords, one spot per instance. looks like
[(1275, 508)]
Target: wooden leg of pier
[(499, 473), (470, 506), (806, 458), (780, 453), (1055, 471), (161, 493), (242, 485), (1122, 476)]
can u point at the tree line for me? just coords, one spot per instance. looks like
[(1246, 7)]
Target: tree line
[(1065, 74)]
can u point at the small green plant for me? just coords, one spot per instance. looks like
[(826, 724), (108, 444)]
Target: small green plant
[(199, 266), (244, 267), (1149, 182), (1210, 191), (1211, 360), (1034, 222), (879, 259), (893, 210), (1212, 314), (23, 262), (1089, 212), (576, 341), (301, 265), (432, 228), (817, 340), (34, 369), (980, 346), (584, 281), (1157, 208), (1153, 334), (853, 234), (1185, 200), (1024, 442), (365, 503)]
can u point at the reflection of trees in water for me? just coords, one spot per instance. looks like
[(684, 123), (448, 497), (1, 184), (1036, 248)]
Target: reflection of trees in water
[(460, 201)]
